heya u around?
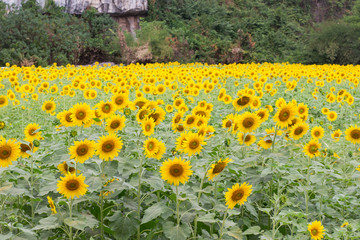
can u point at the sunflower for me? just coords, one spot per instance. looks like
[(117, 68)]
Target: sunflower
[(248, 122), (266, 142), (72, 185), (332, 116), (48, 106), (148, 126), (352, 134), (317, 132), (82, 150), (237, 194), (285, 114), (81, 113), (312, 148), (105, 109), (316, 230), (263, 113), (229, 121), (177, 118), (115, 123), (298, 130), (108, 146), (192, 143), (217, 168), (3, 101), (190, 121), (162, 149), (52, 205), (242, 102), (24, 148), (9, 151), (178, 128), (158, 115), (120, 100), (303, 111), (176, 171), (32, 132), (64, 168), (65, 118), (249, 139), (151, 147), (336, 135)]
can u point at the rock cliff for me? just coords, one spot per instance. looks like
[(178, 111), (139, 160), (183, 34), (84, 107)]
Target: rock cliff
[(126, 12)]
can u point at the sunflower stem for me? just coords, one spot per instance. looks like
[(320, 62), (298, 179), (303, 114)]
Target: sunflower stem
[(273, 143), (223, 224), (307, 190), (177, 205), (70, 211), (101, 202), (139, 196), (32, 189)]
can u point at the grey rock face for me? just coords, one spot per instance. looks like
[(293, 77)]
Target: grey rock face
[(113, 7)]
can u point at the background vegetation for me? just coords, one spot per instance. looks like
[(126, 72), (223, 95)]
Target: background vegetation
[(211, 31)]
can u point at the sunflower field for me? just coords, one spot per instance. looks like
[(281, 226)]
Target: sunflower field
[(172, 151)]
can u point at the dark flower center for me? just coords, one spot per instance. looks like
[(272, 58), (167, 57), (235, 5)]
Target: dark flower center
[(115, 124), (248, 122), (80, 115), (106, 108), (24, 147), (313, 149), (219, 167), (72, 185), (228, 124), (355, 134), (108, 146), (298, 130), (48, 106), (119, 100), (82, 150), (5, 152), (284, 115), (237, 195), (242, 101), (194, 144), (68, 118), (176, 170)]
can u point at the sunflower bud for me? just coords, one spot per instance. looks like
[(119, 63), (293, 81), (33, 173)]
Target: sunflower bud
[(2, 125), (227, 142), (36, 143), (350, 154), (127, 111), (73, 133)]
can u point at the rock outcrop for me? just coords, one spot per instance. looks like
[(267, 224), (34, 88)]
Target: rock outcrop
[(126, 12)]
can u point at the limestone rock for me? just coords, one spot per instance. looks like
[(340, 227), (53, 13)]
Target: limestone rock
[(113, 7)]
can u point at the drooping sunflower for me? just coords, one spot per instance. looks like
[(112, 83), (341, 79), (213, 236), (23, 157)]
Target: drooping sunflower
[(316, 230), (72, 185), (32, 132), (229, 121), (249, 138), (352, 134), (81, 113), (263, 113), (298, 130), (64, 168), (317, 132), (9, 151), (248, 122), (151, 147), (336, 135), (108, 146), (192, 143), (217, 168), (3, 101), (285, 114), (242, 102), (266, 142), (158, 115), (48, 106), (312, 148), (82, 150), (115, 123), (24, 148), (176, 171), (51, 204), (237, 194)]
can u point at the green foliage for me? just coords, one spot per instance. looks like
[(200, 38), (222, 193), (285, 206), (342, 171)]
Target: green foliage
[(30, 35)]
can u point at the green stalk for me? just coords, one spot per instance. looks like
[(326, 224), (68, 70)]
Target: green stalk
[(307, 190), (101, 203), (32, 189), (177, 205), (70, 210), (223, 224), (139, 195), (273, 143)]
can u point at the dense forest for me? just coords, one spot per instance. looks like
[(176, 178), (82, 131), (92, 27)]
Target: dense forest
[(211, 31)]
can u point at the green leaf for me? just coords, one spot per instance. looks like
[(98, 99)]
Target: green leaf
[(178, 232), (235, 232), (122, 225), (153, 212), (255, 230), (208, 218), (50, 222), (81, 222)]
